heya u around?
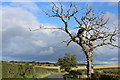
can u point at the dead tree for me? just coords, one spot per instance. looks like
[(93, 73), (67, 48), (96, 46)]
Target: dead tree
[(91, 28)]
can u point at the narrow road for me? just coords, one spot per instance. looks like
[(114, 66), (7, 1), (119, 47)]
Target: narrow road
[(54, 77)]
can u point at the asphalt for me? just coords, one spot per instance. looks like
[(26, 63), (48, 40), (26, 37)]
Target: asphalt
[(54, 77)]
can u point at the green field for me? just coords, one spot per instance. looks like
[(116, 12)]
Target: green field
[(31, 71), (24, 70)]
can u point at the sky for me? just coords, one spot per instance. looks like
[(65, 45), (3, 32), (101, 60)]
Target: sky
[(21, 44)]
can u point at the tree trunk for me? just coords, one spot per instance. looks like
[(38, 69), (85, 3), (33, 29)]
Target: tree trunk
[(89, 65)]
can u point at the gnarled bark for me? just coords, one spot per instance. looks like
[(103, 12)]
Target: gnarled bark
[(91, 28), (89, 65)]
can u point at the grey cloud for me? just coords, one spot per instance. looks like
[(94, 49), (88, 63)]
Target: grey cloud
[(113, 19), (40, 43), (43, 45), (47, 52)]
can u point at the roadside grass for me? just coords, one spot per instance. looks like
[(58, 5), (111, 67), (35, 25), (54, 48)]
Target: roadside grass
[(38, 75), (43, 75)]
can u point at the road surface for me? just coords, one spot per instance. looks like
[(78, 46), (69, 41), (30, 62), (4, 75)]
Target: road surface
[(54, 77)]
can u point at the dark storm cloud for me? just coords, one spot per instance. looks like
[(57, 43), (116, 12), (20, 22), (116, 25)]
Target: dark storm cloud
[(44, 45)]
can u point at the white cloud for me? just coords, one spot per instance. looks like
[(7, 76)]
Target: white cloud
[(0, 32), (113, 19), (106, 50), (21, 44), (106, 62), (114, 59), (40, 43), (47, 52), (61, 0), (18, 40), (29, 6)]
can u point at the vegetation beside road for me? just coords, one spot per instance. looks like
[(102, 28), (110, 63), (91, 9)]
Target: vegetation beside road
[(69, 64), (30, 71), (24, 70), (100, 74)]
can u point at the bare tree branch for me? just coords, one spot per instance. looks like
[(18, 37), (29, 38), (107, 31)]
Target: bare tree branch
[(46, 28), (115, 45), (94, 26), (91, 28)]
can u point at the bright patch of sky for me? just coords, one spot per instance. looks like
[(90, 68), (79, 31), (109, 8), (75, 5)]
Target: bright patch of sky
[(37, 7)]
